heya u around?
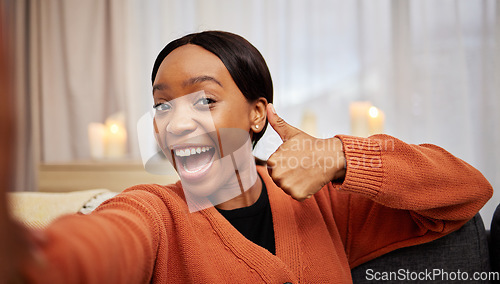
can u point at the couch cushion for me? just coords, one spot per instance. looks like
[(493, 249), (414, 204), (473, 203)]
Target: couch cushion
[(38, 209)]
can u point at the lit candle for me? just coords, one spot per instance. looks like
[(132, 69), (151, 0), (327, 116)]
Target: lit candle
[(97, 133), (376, 120), (116, 139), (359, 118)]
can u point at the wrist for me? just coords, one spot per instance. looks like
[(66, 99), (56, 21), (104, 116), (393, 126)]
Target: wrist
[(335, 161)]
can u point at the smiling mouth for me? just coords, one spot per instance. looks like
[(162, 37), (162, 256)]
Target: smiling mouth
[(194, 159)]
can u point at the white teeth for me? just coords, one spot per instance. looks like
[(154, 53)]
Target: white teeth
[(190, 151)]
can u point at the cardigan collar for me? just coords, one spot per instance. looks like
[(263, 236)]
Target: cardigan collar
[(286, 236)]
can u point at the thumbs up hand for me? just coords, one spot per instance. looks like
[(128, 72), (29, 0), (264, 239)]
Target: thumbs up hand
[(303, 164)]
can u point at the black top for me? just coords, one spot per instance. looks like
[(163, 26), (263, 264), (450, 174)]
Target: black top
[(255, 222)]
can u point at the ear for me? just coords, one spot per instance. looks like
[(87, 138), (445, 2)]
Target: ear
[(258, 115)]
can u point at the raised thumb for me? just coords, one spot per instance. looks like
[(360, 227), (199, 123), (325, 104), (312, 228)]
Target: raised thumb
[(284, 130)]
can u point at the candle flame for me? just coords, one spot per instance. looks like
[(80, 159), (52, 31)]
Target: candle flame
[(373, 112), (114, 128)]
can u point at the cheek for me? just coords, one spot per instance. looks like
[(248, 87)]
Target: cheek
[(232, 116), (158, 127), (159, 133), (232, 120)]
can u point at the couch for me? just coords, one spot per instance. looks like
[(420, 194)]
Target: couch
[(38, 209)]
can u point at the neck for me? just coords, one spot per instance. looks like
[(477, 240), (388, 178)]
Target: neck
[(247, 198)]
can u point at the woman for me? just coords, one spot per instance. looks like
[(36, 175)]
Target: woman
[(319, 208)]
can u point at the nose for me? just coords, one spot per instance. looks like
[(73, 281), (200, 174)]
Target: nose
[(181, 124)]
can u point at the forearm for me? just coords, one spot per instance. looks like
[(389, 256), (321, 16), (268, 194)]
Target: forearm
[(396, 195), (421, 178), (114, 245)]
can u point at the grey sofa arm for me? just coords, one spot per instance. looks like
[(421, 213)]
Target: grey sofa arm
[(495, 241), (465, 249)]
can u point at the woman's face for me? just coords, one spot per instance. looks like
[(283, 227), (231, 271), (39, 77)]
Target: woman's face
[(196, 99)]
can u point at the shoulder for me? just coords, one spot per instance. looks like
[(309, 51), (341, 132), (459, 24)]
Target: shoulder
[(151, 197), (170, 191)]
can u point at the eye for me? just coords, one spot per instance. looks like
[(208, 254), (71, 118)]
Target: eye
[(162, 107), (204, 101)]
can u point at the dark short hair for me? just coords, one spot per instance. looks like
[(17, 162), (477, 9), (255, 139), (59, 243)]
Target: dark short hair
[(243, 61)]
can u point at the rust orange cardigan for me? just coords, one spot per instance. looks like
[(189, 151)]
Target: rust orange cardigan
[(394, 195)]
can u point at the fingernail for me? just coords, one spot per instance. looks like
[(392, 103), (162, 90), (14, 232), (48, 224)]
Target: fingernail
[(272, 108)]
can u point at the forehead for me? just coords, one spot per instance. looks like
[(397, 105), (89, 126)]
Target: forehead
[(190, 60)]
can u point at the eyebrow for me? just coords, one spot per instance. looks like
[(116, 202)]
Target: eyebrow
[(200, 79), (188, 82), (159, 87)]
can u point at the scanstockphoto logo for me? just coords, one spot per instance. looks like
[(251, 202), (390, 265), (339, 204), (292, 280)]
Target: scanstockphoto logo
[(323, 154), (430, 275), (214, 164)]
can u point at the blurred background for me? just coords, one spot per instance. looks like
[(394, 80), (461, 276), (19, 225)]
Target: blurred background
[(422, 71)]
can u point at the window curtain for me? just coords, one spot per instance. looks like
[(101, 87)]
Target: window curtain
[(429, 65), (15, 23)]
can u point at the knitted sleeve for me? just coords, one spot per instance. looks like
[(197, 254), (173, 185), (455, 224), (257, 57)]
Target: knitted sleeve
[(115, 244), (400, 195)]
